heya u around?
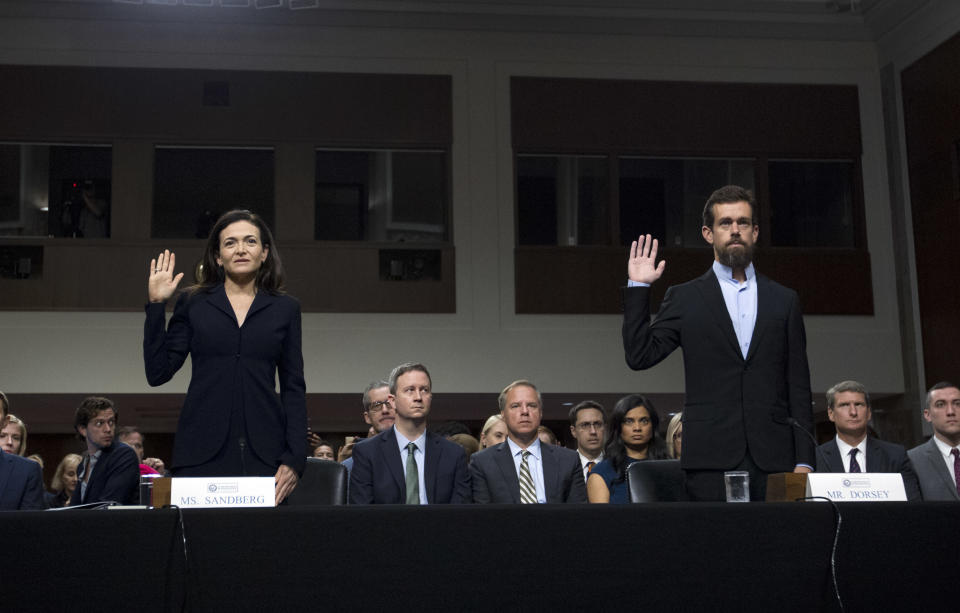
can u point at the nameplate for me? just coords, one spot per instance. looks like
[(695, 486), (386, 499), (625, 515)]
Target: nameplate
[(222, 492), (857, 487)]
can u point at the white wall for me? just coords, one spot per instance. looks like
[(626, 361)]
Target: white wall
[(484, 345)]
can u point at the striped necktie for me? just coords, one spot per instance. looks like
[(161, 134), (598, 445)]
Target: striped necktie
[(528, 492), (854, 465)]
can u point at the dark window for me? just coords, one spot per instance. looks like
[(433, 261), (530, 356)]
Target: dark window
[(399, 196), (563, 200), (811, 203), (193, 186)]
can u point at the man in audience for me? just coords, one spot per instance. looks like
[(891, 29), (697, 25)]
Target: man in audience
[(378, 412), (405, 463), (937, 461), (587, 425), (852, 451), (21, 482), (108, 472), (133, 438), (521, 469)]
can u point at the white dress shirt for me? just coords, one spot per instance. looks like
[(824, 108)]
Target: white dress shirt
[(946, 450), (534, 462), (584, 460), (845, 454)]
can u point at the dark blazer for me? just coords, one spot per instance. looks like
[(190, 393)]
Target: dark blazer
[(21, 484), (732, 403), (234, 368), (494, 475), (115, 478), (378, 475), (882, 457), (935, 480)]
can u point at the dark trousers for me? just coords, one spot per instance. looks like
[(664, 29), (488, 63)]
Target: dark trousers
[(708, 485)]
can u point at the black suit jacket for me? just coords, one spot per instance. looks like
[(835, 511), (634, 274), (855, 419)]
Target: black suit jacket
[(494, 475), (935, 480), (732, 403), (378, 475), (115, 478), (21, 484), (234, 368), (882, 457)]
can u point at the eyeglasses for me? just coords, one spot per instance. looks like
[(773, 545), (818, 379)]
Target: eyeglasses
[(590, 425), (99, 423), (376, 407)]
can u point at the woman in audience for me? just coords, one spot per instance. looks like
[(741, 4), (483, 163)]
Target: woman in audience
[(13, 436), (631, 437), (494, 431), (546, 435), (64, 481), (243, 334), (675, 435)]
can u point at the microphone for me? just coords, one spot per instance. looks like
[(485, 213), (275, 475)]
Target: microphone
[(816, 448)]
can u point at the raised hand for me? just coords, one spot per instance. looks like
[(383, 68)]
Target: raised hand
[(642, 266), (162, 283)]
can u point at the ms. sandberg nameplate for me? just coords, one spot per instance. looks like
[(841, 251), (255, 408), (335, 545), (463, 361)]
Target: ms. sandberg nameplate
[(857, 487), (222, 492)]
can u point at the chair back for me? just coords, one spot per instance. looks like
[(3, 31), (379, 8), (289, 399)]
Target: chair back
[(656, 481), (323, 482)]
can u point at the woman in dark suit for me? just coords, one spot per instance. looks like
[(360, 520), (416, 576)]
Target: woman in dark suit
[(241, 332)]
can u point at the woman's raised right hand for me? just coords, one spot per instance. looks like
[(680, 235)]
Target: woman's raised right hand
[(162, 283)]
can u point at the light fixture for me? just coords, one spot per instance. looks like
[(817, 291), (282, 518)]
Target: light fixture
[(304, 4), (267, 4)]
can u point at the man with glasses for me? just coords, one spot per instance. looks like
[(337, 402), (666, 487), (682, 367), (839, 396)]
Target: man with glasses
[(587, 425), (377, 412), (109, 471)]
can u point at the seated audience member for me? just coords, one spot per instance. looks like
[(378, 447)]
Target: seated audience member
[(494, 432), (852, 451), (13, 436), (937, 462), (522, 469), (133, 438), (674, 436), (64, 481), (470, 444), (631, 437), (109, 470), (378, 413), (587, 423), (324, 451), (406, 464), (21, 481), (546, 435), (35, 457)]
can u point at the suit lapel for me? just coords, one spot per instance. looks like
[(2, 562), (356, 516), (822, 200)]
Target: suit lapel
[(508, 470), (832, 454), (709, 287), (933, 455), (431, 460), (6, 469), (765, 297), (551, 473), (391, 458), (218, 298), (876, 460)]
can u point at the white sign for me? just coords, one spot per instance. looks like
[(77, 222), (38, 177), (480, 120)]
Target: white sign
[(222, 492), (857, 487)]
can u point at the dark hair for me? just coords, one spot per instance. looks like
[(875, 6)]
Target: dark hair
[(90, 408), (586, 404), (403, 369), (936, 386), (270, 275), (126, 431), (449, 428), (616, 451), (5, 407), (727, 195)]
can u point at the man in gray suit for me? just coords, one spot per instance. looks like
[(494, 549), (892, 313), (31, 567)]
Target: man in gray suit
[(521, 469), (937, 461)]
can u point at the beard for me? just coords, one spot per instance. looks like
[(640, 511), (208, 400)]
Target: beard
[(735, 258)]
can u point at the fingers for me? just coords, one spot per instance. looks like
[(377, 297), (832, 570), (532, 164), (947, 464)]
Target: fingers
[(173, 259), (153, 267)]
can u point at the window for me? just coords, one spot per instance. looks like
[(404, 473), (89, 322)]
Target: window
[(563, 200), (381, 195), (193, 186), (812, 203), (55, 190)]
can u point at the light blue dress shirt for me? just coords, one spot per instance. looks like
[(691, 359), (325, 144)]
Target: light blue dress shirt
[(741, 301), (417, 455), (534, 462)]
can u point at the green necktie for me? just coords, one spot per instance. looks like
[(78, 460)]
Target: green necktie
[(413, 479)]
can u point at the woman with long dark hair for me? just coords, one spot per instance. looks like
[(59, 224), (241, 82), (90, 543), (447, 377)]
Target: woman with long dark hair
[(631, 437), (242, 333)]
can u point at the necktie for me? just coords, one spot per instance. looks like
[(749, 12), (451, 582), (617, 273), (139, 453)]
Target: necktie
[(528, 492), (956, 466), (413, 478), (854, 465), (590, 466)]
